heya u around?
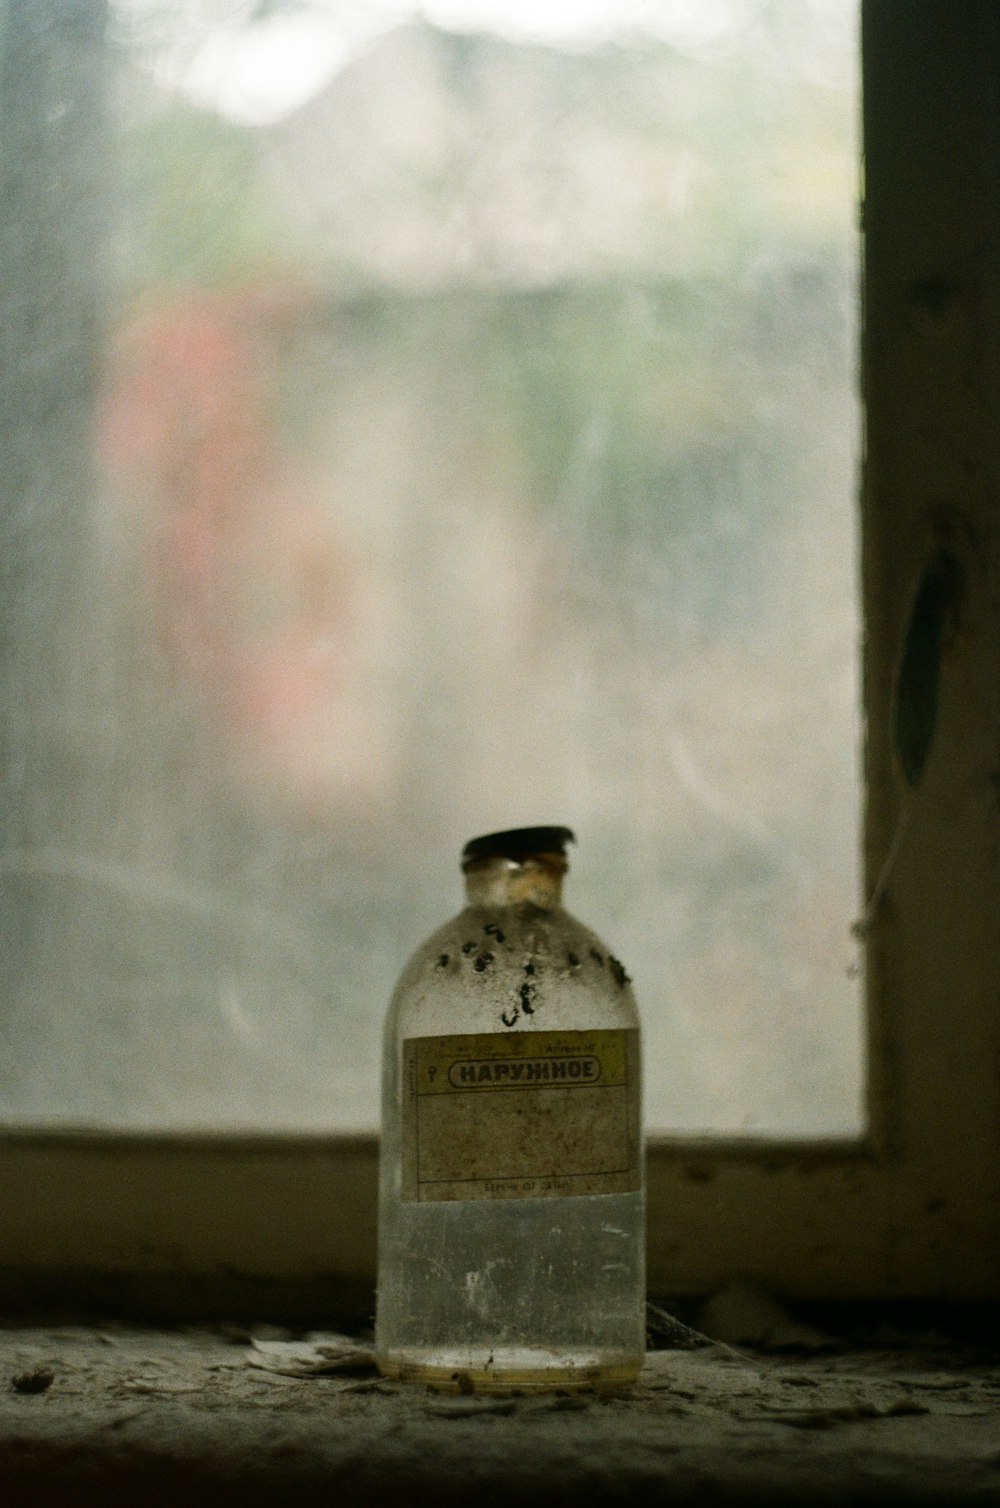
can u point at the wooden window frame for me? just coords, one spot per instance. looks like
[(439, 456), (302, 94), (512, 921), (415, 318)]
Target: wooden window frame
[(913, 1208)]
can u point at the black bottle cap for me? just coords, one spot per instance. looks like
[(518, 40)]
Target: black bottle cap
[(518, 844)]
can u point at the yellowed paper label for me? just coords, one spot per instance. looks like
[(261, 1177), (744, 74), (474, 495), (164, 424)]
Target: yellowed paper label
[(521, 1115)]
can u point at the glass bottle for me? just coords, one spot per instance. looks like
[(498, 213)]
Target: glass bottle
[(511, 1215)]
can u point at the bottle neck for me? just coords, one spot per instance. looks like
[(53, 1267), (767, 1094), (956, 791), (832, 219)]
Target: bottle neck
[(505, 882)]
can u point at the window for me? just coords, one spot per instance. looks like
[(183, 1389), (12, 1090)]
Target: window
[(910, 1208), (472, 446)]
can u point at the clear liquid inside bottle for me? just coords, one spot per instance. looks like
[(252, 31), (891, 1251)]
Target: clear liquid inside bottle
[(511, 1220)]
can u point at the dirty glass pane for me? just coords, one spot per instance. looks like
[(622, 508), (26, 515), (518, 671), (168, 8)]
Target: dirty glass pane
[(415, 422)]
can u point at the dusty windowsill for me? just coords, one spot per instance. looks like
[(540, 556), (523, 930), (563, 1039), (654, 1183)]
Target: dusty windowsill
[(115, 1414)]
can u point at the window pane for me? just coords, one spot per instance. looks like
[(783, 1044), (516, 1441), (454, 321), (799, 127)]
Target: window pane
[(418, 423)]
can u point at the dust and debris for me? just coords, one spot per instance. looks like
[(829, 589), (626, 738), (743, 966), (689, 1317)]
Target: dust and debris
[(121, 1421), (37, 1381), (315, 1356), (155, 1387), (822, 1425), (826, 1418)]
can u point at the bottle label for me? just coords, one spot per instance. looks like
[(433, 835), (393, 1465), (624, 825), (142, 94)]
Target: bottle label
[(521, 1115)]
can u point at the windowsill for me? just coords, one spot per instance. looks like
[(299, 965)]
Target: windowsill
[(169, 1417)]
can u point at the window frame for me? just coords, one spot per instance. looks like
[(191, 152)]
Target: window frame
[(193, 1224)]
